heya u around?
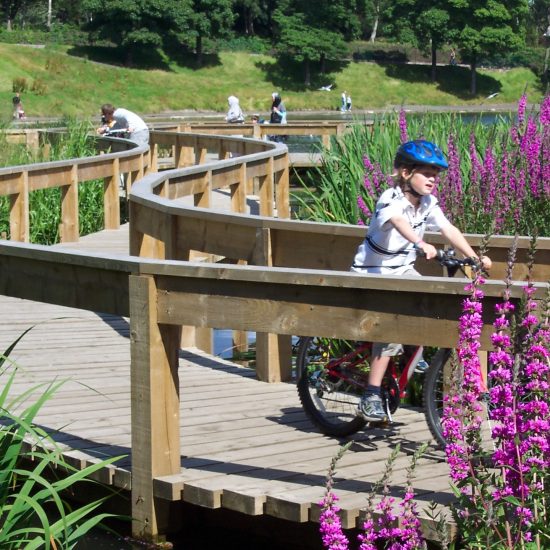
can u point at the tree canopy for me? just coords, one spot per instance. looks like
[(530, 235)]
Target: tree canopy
[(305, 32)]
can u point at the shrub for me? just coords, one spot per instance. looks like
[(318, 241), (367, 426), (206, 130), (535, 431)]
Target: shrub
[(19, 84), (39, 87)]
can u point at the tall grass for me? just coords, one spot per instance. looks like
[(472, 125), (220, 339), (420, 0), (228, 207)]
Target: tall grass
[(497, 180), (45, 204), (34, 513)]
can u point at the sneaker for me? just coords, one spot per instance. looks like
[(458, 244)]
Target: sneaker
[(371, 408), (421, 367)]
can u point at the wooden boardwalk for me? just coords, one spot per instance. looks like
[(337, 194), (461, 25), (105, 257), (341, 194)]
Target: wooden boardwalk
[(247, 445)]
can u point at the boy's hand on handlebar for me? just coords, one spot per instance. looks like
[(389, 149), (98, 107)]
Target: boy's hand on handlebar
[(427, 250), (486, 263)]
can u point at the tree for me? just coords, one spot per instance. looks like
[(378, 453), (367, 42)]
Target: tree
[(250, 11), (486, 26), (315, 31), (426, 25), (210, 19), (136, 25), (10, 9), (373, 12)]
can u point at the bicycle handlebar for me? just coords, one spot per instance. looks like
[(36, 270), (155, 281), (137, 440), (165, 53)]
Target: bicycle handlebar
[(448, 259)]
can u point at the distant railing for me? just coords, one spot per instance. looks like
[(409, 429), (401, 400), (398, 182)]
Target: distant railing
[(17, 182)]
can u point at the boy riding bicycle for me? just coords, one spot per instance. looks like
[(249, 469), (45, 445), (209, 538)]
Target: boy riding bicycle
[(394, 237)]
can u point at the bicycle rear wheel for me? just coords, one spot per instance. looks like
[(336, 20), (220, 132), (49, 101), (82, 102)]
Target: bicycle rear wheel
[(331, 401)]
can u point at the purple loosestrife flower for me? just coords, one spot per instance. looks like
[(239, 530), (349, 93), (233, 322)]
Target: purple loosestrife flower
[(544, 114), (367, 164), (461, 413), (451, 194), (369, 537), (492, 183), (403, 126), (521, 415), (521, 109), (504, 195), (331, 527), (365, 210), (476, 174)]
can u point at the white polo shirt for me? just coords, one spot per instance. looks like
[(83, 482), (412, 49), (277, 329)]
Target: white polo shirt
[(384, 249), (128, 119)]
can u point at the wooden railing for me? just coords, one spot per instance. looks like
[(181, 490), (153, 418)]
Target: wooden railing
[(17, 182), (162, 295), (323, 129)]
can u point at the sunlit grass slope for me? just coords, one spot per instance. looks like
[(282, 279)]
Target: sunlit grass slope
[(69, 85)]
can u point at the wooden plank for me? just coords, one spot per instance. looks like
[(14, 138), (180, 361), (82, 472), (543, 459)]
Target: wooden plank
[(408, 317)]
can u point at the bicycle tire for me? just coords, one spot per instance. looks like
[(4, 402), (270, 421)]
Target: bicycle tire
[(433, 394), (436, 380), (331, 404)]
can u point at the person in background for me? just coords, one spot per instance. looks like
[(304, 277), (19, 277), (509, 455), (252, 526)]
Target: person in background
[(278, 116), (278, 110), (344, 101), (452, 59), (395, 236), (348, 103), (119, 118), (234, 114), (18, 112)]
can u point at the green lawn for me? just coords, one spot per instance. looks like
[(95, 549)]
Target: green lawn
[(76, 86)]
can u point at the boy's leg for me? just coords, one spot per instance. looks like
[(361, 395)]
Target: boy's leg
[(371, 406), (378, 367)]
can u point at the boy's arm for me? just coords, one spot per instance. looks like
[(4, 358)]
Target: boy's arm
[(402, 225), (458, 241)]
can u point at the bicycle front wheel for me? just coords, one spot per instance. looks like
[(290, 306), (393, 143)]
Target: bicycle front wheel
[(329, 395), (438, 384), (435, 385)]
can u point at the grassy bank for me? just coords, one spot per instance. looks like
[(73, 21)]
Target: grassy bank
[(66, 84)]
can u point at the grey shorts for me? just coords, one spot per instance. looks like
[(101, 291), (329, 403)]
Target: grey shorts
[(386, 350)]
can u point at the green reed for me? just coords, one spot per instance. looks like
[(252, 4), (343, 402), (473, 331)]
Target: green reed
[(332, 189), (34, 513), (45, 204)]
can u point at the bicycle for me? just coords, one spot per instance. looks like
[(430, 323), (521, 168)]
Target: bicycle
[(332, 374)]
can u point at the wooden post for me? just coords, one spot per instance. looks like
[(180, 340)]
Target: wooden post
[(142, 245), (204, 198), (111, 198), (238, 204), (155, 406), (266, 190), (19, 210), (200, 154), (273, 351), (69, 230), (282, 184), (201, 337), (154, 150)]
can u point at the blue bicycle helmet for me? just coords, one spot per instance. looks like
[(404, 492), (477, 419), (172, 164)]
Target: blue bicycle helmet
[(420, 151)]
